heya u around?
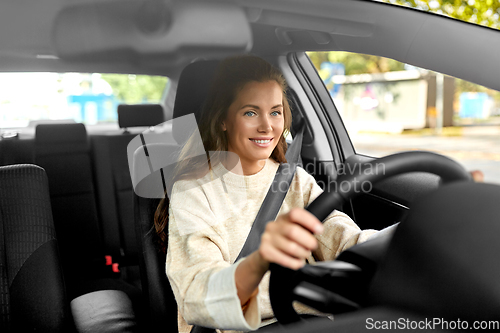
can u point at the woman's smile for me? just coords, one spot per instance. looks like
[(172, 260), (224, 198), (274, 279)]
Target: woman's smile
[(262, 142)]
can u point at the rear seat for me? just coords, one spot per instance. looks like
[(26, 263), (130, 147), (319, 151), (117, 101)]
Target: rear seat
[(92, 197), (114, 197), (16, 151), (91, 193), (114, 186), (63, 150)]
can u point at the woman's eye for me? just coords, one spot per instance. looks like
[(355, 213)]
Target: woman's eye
[(276, 113), (249, 113)]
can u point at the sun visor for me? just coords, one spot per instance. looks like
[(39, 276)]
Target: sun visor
[(132, 29)]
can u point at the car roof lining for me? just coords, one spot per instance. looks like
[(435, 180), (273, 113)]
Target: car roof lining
[(411, 36)]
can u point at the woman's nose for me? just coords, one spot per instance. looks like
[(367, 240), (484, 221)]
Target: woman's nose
[(264, 125)]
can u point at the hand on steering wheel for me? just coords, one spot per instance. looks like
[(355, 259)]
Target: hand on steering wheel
[(288, 241), (415, 161)]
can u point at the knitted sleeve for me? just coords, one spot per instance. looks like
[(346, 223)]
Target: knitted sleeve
[(199, 269)]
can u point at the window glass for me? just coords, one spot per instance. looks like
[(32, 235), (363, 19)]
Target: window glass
[(389, 107), (81, 97)]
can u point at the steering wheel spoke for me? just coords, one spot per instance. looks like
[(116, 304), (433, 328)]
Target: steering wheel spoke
[(322, 299)]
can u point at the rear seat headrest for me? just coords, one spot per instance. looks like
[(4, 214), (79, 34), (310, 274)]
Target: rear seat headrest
[(192, 90), (61, 138), (140, 115)]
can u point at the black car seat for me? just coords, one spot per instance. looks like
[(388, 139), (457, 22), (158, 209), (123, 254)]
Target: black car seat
[(192, 90), (63, 150), (114, 191), (33, 294)]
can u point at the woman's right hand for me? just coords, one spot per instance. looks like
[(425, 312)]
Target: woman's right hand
[(289, 240)]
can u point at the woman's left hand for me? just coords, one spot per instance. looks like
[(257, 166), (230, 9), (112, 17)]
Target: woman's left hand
[(477, 176)]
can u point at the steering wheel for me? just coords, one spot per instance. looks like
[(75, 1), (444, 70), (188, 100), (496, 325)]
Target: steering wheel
[(287, 285)]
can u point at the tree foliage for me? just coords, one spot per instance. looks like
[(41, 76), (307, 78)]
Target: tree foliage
[(136, 88), (483, 12)]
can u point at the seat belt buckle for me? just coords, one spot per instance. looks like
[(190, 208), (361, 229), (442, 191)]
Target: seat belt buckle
[(115, 267)]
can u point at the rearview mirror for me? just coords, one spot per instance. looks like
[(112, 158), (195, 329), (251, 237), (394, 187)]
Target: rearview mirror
[(132, 30)]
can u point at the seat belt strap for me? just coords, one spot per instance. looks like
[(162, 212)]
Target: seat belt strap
[(275, 196), (271, 204)]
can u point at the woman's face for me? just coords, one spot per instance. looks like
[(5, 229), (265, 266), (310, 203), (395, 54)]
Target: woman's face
[(255, 123)]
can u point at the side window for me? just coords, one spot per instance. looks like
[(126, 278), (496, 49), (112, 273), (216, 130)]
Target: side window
[(89, 98), (388, 107)]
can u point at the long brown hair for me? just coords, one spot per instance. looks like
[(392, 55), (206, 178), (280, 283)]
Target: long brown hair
[(231, 76)]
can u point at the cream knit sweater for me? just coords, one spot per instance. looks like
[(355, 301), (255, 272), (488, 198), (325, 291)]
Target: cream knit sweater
[(210, 219)]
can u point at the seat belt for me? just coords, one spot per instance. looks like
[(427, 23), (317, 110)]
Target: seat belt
[(275, 196), (271, 204)]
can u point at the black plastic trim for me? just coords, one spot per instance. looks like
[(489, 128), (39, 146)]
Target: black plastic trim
[(302, 73), (329, 116)]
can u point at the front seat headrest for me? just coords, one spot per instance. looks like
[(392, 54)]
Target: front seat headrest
[(140, 115), (192, 90)]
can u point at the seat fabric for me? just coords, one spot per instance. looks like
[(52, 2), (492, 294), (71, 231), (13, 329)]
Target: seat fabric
[(33, 293), (191, 93), (63, 151)]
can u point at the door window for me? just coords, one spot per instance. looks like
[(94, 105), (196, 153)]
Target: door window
[(389, 107)]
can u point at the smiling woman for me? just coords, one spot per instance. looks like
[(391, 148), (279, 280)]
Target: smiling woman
[(246, 117)]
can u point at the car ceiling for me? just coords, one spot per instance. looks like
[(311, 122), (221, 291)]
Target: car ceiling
[(31, 38)]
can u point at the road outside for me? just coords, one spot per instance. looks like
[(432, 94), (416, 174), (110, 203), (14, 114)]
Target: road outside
[(475, 147)]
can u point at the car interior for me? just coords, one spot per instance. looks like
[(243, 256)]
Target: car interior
[(73, 222)]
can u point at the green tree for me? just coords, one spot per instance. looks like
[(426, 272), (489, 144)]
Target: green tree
[(483, 12), (136, 88)]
